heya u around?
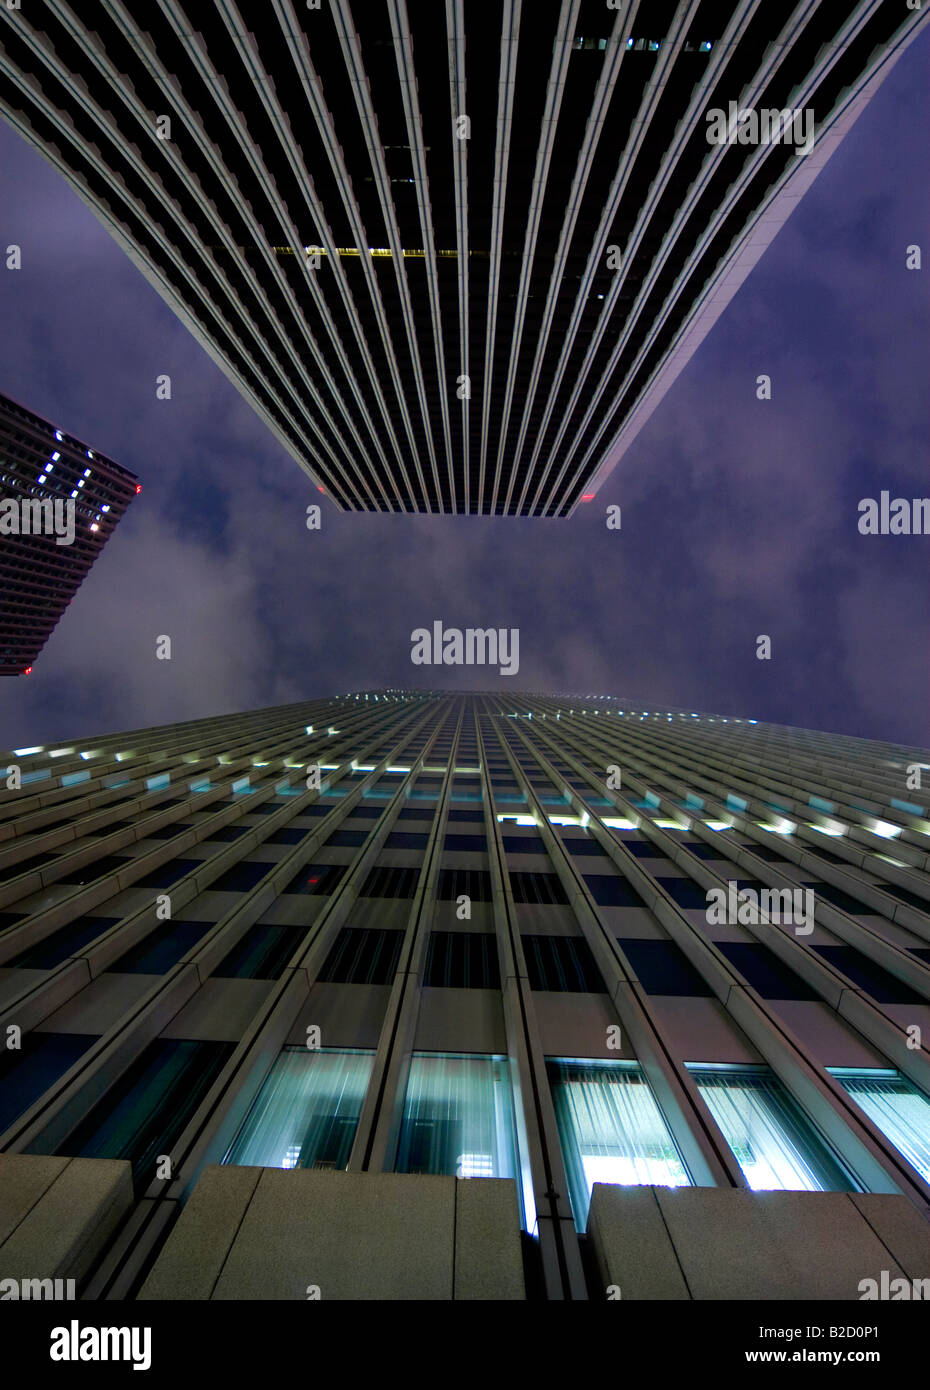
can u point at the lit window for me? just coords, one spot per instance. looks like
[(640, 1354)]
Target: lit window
[(56, 456), (896, 1107), (458, 1117), (774, 1143), (474, 1166), (307, 1111), (73, 777), (611, 1130)]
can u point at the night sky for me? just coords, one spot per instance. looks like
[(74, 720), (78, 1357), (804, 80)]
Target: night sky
[(739, 516)]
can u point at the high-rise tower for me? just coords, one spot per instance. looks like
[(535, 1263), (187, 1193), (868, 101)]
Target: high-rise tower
[(305, 970), (452, 254), (60, 503)]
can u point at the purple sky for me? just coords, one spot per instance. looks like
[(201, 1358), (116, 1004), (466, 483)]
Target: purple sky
[(739, 517)]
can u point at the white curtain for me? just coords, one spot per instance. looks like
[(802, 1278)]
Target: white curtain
[(774, 1143), (307, 1112), (611, 1131), (897, 1108), (458, 1117)]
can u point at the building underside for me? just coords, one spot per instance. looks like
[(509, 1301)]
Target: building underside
[(452, 255)]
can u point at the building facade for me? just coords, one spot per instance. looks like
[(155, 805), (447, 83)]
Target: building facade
[(60, 503), (452, 255), (369, 995)]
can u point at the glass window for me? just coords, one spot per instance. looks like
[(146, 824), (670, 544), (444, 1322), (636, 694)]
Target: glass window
[(774, 1143), (896, 1107), (390, 883), (563, 963), (307, 1112), (611, 1129), (147, 1110), (27, 1074), (261, 954), (161, 949), (462, 960), (67, 941), (458, 1117), (363, 956)]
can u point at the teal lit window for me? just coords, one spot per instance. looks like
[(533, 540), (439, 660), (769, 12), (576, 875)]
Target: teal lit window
[(611, 1130), (774, 1143), (894, 1106), (458, 1117), (307, 1111)]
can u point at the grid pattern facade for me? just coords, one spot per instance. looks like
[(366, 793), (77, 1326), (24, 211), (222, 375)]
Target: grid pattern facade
[(468, 886), (40, 464), (452, 255)]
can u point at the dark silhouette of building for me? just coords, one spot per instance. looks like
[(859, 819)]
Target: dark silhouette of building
[(453, 255), (59, 505)]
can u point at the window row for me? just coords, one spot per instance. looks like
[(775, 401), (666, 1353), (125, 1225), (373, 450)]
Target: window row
[(467, 960), (459, 1115), (458, 1119)]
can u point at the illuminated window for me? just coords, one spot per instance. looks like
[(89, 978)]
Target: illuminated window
[(611, 1129), (458, 1117), (307, 1112), (896, 1107), (774, 1143)]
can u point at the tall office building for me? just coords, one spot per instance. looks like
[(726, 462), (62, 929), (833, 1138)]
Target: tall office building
[(60, 503), (413, 995), (452, 254)]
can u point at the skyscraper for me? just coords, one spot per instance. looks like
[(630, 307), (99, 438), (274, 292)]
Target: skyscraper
[(404, 994), (59, 505), (453, 255)]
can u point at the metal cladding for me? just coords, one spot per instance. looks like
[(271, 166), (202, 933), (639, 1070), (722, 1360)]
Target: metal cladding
[(551, 889), (452, 255)]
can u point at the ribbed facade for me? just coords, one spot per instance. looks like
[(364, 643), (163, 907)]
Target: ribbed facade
[(482, 947), (41, 568), (453, 255)]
